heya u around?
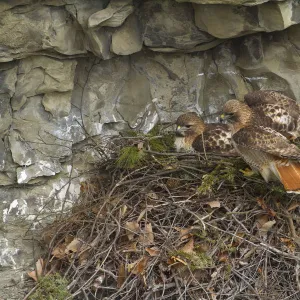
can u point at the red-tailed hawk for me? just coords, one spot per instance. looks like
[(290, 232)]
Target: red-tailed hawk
[(193, 135), (264, 149), (275, 110)]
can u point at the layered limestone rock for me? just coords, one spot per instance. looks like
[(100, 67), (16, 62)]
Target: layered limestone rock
[(73, 73), (231, 2), (226, 21)]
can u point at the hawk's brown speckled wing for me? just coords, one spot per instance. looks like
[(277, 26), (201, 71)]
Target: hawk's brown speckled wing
[(216, 138), (275, 110), (266, 140)]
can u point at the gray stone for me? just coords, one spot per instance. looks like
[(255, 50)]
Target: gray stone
[(39, 169), (168, 24), (39, 75), (127, 39), (82, 10), (34, 28), (226, 21), (231, 2), (58, 104), (260, 66), (113, 15)]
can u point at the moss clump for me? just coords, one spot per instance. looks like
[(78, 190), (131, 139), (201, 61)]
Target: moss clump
[(220, 173), (196, 259), (160, 141), (52, 287), (131, 157)]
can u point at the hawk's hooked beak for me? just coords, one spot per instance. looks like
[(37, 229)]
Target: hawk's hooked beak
[(179, 131)]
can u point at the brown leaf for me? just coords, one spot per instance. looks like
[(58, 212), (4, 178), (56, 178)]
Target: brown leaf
[(223, 257), (267, 226), (154, 251), (74, 246), (184, 232), (121, 275), (140, 145), (132, 228), (293, 206), (175, 259), (147, 236), (188, 247), (214, 204), (140, 266), (123, 210), (37, 273), (265, 207), (152, 196), (84, 257), (261, 220), (289, 244), (130, 247), (59, 251)]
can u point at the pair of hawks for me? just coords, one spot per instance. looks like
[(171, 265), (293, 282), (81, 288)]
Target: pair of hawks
[(260, 130)]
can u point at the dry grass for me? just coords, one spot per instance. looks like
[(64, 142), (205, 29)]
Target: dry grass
[(151, 233)]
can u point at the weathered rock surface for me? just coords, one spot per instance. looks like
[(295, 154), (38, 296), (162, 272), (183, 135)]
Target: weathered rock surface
[(170, 24), (128, 39), (73, 69), (231, 2), (226, 21)]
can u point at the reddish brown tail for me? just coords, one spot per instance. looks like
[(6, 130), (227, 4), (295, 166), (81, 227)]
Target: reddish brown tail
[(290, 177)]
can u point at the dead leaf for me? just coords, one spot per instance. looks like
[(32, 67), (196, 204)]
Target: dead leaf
[(293, 206), (141, 215), (153, 251), (261, 220), (74, 246), (188, 247), (147, 236), (37, 273), (223, 257), (130, 247), (84, 256), (68, 239), (267, 226), (140, 146), (265, 207), (152, 196), (175, 259), (132, 228), (59, 251), (123, 210), (214, 204), (121, 275), (289, 244), (140, 266), (184, 232)]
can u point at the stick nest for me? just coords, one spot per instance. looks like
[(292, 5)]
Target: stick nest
[(161, 225)]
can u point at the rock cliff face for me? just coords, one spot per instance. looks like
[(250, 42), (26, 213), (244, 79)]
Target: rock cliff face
[(72, 69)]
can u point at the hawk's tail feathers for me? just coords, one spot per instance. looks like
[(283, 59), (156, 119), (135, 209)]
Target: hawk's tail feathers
[(290, 177)]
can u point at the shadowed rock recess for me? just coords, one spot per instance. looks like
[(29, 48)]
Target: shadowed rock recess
[(70, 69)]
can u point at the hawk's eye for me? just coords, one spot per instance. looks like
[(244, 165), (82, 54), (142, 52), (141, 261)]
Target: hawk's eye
[(188, 126)]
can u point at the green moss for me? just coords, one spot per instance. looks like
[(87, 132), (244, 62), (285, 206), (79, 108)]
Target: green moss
[(228, 269), (196, 260), (131, 157), (222, 172), (52, 287), (160, 141)]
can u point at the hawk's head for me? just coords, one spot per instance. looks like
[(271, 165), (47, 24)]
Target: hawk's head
[(189, 125), (236, 112)]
